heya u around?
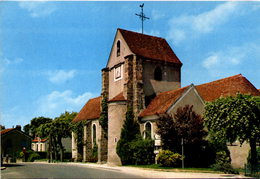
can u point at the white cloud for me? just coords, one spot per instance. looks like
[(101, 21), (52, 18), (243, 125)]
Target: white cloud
[(38, 8), (156, 15), (190, 25), (230, 60), (5, 62), (56, 102), (60, 76)]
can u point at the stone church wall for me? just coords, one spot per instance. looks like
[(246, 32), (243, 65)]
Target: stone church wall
[(170, 77), (116, 116)]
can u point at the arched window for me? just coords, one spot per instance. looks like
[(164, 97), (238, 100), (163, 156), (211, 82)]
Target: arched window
[(158, 74), (148, 130), (118, 48), (94, 134)]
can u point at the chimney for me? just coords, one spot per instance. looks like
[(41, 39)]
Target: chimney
[(18, 127)]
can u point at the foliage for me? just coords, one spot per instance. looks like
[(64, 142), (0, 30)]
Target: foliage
[(26, 129), (36, 122), (143, 151), (33, 156), (78, 129), (94, 153), (168, 158), (186, 125), (235, 118), (129, 133), (103, 119), (257, 157), (223, 163)]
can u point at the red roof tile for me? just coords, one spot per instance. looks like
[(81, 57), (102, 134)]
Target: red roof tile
[(119, 97), (6, 130), (162, 102), (91, 110), (151, 47), (229, 86), (41, 140)]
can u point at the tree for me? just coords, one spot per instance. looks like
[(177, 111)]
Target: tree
[(62, 129), (186, 125), (129, 133), (26, 129), (36, 122), (235, 118)]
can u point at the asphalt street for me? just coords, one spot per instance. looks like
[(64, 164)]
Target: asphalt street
[(45, 170)]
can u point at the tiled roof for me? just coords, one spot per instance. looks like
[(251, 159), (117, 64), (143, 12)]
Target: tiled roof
[(41, 140), (151, 47), (119, 97), (229, 86), (6, 130), (91, 110), (162, 102)]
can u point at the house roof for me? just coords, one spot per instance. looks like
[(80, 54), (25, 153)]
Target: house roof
[(41, 140), (229, 86), (119, 97), (6, 130), (151, 47), (162, 102), (91, 110)]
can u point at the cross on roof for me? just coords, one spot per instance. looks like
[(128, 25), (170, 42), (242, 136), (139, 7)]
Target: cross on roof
[(142, 17)]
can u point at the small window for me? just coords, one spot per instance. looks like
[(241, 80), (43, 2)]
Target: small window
[(118, 48), (94, 134), (148, 131), (158, 74)]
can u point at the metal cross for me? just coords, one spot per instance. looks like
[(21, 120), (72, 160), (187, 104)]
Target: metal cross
[(142, 17)]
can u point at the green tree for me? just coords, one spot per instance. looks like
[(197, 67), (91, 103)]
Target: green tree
[(78, 129), (235, 118), (129, 133), (36, 122), (62, 129), (26, 129)]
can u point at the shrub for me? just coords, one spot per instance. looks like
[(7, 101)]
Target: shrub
[(94, 154), (143, 151), (33, 156), (223, 163), (168, 158)]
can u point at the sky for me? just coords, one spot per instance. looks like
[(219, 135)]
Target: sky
[(52, 53)]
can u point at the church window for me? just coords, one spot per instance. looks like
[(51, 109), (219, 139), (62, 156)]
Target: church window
[(94, 134), (148, 130), (118, 73), (118, 48), (158, 74)]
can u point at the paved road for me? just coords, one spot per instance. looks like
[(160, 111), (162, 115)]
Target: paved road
[(45, 170)]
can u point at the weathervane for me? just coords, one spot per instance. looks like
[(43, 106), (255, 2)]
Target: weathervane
[(142, 17)]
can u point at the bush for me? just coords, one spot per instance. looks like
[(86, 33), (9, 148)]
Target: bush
[(33, 156), (143, 151), (168, 158), (94, 154), (223, 163)]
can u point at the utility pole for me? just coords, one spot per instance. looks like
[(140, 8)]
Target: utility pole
[(142, 16)]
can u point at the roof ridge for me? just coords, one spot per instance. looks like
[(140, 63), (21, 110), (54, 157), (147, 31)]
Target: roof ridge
[(165, 92), (141, 34), (238, 75)]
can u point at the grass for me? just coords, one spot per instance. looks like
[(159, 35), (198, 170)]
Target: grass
[(171, 169)]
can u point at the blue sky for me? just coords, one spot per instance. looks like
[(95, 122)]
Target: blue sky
[(52, 53)]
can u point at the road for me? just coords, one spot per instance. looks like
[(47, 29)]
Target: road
[(87, 170), (45, 170)]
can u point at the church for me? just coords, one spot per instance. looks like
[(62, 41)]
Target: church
[(144, 73)]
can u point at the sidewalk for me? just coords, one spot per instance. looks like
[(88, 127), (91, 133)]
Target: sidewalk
[(152, 173)]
